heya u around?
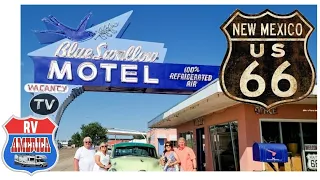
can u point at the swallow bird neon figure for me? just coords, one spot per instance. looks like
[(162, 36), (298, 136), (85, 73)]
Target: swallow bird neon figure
[(57, 31)]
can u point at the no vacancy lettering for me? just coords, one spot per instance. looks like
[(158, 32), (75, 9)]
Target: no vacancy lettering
[(46, 88)]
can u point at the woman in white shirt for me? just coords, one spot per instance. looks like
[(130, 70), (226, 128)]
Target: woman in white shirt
[(102, 159)]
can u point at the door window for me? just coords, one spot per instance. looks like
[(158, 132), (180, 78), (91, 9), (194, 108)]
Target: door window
[(224, 145)]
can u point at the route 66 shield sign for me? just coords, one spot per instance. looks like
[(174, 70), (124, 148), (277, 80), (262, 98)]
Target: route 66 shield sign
[(30, 146), (311, 161), (267, 62)]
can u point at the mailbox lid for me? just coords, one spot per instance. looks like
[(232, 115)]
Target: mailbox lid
[(270, 152)]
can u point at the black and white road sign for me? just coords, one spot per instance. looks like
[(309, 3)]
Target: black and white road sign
[(311, 158), (267, 61)]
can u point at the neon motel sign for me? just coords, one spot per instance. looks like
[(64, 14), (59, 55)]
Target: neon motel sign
[(90, 72), (97, 59), (115, 62)]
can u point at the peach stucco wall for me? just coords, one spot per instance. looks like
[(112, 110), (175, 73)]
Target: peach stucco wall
[(156, 133), (248, 129)]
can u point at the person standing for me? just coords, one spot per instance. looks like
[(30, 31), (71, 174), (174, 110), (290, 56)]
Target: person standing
[(170, 159), (84, 157), (102, 159), (186, 156)]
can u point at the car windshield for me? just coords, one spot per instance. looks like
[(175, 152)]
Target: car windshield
[(135, 151)]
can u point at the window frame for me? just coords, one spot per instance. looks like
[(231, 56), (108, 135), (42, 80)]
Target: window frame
[(212, 148)]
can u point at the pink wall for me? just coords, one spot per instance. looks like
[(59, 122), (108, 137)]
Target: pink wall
[(156, 133)]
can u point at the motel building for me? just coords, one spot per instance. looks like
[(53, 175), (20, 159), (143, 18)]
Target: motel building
[(158, 136), (222, 131)]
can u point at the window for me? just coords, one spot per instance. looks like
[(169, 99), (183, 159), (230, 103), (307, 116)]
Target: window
[(291, 137), (135, 151), (174, 143), (309, 133), (294, 135), (189, 138), (270, 132)]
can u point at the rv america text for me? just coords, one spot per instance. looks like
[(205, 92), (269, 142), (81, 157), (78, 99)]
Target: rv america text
[(30, 144)]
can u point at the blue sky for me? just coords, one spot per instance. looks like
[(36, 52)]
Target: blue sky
[(191, 35)]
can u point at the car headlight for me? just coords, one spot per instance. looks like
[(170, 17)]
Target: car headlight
[(113, 169)]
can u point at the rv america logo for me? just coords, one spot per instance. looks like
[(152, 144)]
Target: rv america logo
[(30, 146)]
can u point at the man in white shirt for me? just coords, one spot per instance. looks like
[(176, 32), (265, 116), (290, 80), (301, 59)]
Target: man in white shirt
[(84, 157)]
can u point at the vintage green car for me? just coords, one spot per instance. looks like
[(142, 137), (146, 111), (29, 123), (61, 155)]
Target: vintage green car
[(132, 156)]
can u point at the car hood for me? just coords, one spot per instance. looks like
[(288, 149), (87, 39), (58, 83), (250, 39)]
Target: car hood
[(135, 163)]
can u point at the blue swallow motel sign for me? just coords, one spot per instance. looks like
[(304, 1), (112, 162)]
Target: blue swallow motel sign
[(97, 59)]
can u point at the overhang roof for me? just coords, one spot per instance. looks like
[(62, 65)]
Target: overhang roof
[(205, 101), (125, 132)]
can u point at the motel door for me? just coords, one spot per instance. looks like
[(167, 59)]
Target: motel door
[(201, 160), (160, 146), (224, 145)]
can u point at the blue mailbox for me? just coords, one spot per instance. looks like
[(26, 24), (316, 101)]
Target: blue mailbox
[(270, 152)]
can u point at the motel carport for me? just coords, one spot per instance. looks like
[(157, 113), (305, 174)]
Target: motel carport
[(222, 131), (123, 132)]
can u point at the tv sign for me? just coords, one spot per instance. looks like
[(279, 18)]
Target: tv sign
[(44, 104)]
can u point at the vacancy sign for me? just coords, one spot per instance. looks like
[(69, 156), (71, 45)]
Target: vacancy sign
[(45, 88)]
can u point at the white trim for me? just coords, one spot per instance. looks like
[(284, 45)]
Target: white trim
[(125, 133), (162, 136), (261, 137), (304, 168), (261, 141), (286, 120)]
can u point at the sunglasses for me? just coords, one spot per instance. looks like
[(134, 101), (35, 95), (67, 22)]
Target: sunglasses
[(88, 142), (103, 146), (168, 145)]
